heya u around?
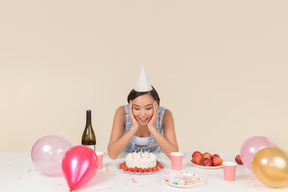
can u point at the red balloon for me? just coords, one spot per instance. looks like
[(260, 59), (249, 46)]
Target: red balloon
[(79, 165)]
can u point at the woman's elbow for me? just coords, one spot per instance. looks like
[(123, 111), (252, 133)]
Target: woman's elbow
[(111, 155), (176, 148)]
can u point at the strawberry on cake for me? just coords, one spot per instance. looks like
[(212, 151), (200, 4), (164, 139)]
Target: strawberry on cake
[(141, 162)]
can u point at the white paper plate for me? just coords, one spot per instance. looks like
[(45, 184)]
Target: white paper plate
[(196, 179), (207, 167)]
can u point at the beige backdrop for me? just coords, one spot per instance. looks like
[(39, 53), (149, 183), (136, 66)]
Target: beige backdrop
[(219, 66)]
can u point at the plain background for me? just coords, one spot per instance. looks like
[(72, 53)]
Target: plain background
[(219, 66)]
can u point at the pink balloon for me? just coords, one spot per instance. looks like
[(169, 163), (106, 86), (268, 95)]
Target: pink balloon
[(79, 165), (251, 146), (47, 153)]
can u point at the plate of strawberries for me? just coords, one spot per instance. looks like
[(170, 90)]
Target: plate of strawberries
[(206, 160), (140, 171)]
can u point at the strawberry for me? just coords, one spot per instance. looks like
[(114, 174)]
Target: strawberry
[(130, 169), (155, 169), (121, 166), (145, 170), (140, 170), (159, 165), (135, 170), (125, 168), (150, 169)]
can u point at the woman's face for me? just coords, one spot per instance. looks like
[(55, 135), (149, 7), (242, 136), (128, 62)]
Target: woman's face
[(143, 108)]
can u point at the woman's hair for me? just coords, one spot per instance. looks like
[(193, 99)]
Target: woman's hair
[(134, 94)]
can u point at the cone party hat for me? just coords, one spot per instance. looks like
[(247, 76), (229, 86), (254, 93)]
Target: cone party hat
[(142, 84)]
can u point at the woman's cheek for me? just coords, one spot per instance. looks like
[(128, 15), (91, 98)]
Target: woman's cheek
[(150, 113), (135, 113)]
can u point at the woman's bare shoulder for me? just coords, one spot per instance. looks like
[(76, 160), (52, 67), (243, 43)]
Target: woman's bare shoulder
[(120, 110), (120, 115), (167, 113), (167, 118)]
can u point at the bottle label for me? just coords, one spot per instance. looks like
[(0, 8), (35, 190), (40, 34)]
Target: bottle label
[(92, 147)]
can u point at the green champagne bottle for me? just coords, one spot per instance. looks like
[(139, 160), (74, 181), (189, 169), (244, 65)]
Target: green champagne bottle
[(88, 136)]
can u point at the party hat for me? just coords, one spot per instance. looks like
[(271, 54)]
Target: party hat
[(142, 84)]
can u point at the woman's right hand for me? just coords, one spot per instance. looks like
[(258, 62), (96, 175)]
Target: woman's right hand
[(135, 124)]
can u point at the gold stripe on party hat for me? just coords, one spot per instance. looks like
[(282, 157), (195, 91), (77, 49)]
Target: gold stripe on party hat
[(142, 84)]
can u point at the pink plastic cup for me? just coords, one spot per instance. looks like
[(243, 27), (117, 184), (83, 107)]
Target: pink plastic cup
[(100, 158), (229, 168), (176, 160)]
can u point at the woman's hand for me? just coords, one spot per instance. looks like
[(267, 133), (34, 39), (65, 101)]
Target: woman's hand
[(154, 118), (135, 124)]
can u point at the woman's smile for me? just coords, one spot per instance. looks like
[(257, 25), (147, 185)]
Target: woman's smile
[(143, 120)]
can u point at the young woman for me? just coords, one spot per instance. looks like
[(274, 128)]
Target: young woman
[(142, 124)]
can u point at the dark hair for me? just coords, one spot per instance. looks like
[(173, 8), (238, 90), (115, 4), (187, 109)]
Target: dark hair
[(134, 94)]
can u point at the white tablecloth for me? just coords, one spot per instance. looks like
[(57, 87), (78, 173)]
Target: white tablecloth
[(18, 173)]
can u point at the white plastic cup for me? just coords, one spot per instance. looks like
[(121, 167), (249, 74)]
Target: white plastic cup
[(100, 158), (176, 160), (229, 168)]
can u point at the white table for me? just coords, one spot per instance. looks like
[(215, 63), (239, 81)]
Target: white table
[(18, 173)]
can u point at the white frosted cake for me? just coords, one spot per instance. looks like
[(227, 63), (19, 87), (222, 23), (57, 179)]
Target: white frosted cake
[(141, 160)]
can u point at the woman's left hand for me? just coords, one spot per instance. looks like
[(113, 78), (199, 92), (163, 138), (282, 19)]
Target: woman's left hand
[(152, 121)]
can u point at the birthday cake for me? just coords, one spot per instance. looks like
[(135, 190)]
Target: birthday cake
[(141, 162)]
